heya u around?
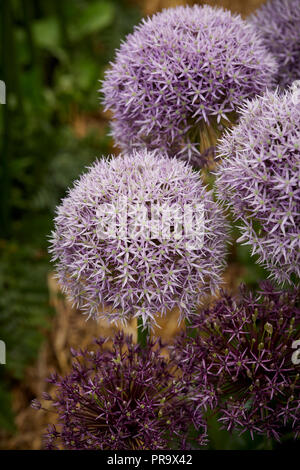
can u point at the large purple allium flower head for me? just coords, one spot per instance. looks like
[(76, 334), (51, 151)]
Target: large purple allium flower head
[(244, 362), (123, 398), (278, 22), (179, 77), (138, 234), (259, 179)]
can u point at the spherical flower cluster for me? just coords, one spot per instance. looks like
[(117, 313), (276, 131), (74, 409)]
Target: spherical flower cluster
[(259, 179), (165, 243), (278, 22), (125, 398), (242, 361), (178, 79)]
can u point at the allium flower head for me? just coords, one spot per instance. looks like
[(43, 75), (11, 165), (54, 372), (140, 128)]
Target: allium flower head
[(179, 77), (144, 265), (242, 361), (259, 178), (278, 22), (125, 398)]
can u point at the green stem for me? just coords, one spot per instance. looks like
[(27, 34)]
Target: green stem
[(143, 333), (191, 332)]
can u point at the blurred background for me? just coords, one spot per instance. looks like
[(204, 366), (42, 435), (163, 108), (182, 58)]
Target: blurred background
[(53, 54)]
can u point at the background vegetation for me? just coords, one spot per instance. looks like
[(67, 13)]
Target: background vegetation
[(53, 55)]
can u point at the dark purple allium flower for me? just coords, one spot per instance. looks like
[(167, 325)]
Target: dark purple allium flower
[(178, 79), (242, 361), (278, 22), (121, 399), (166, 248), (259, 179)]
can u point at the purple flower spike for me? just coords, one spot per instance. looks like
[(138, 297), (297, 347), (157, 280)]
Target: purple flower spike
[(125, 398), (179, 78), (278, 22), (243, 361), (259, 179), (165, 244)]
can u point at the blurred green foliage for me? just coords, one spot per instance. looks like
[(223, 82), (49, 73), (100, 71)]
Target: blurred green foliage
[(53, 54)]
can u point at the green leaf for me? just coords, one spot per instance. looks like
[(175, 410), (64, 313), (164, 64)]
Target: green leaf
[(32, 90), (46, 33), (95, 17), (6, 414), (253, 272), (85, 71), (220, 439)]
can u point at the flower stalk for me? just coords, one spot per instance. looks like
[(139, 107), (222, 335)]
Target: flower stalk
[(143, 333)]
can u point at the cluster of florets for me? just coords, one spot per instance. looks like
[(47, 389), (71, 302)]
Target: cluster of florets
[(165, 244), (242, 361), (122, 398), (278, 22), (178, 79), (259, 179)]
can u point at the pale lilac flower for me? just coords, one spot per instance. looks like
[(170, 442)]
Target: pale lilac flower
[(259, 179), (178, 79), (278, 22), (149, 272)]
